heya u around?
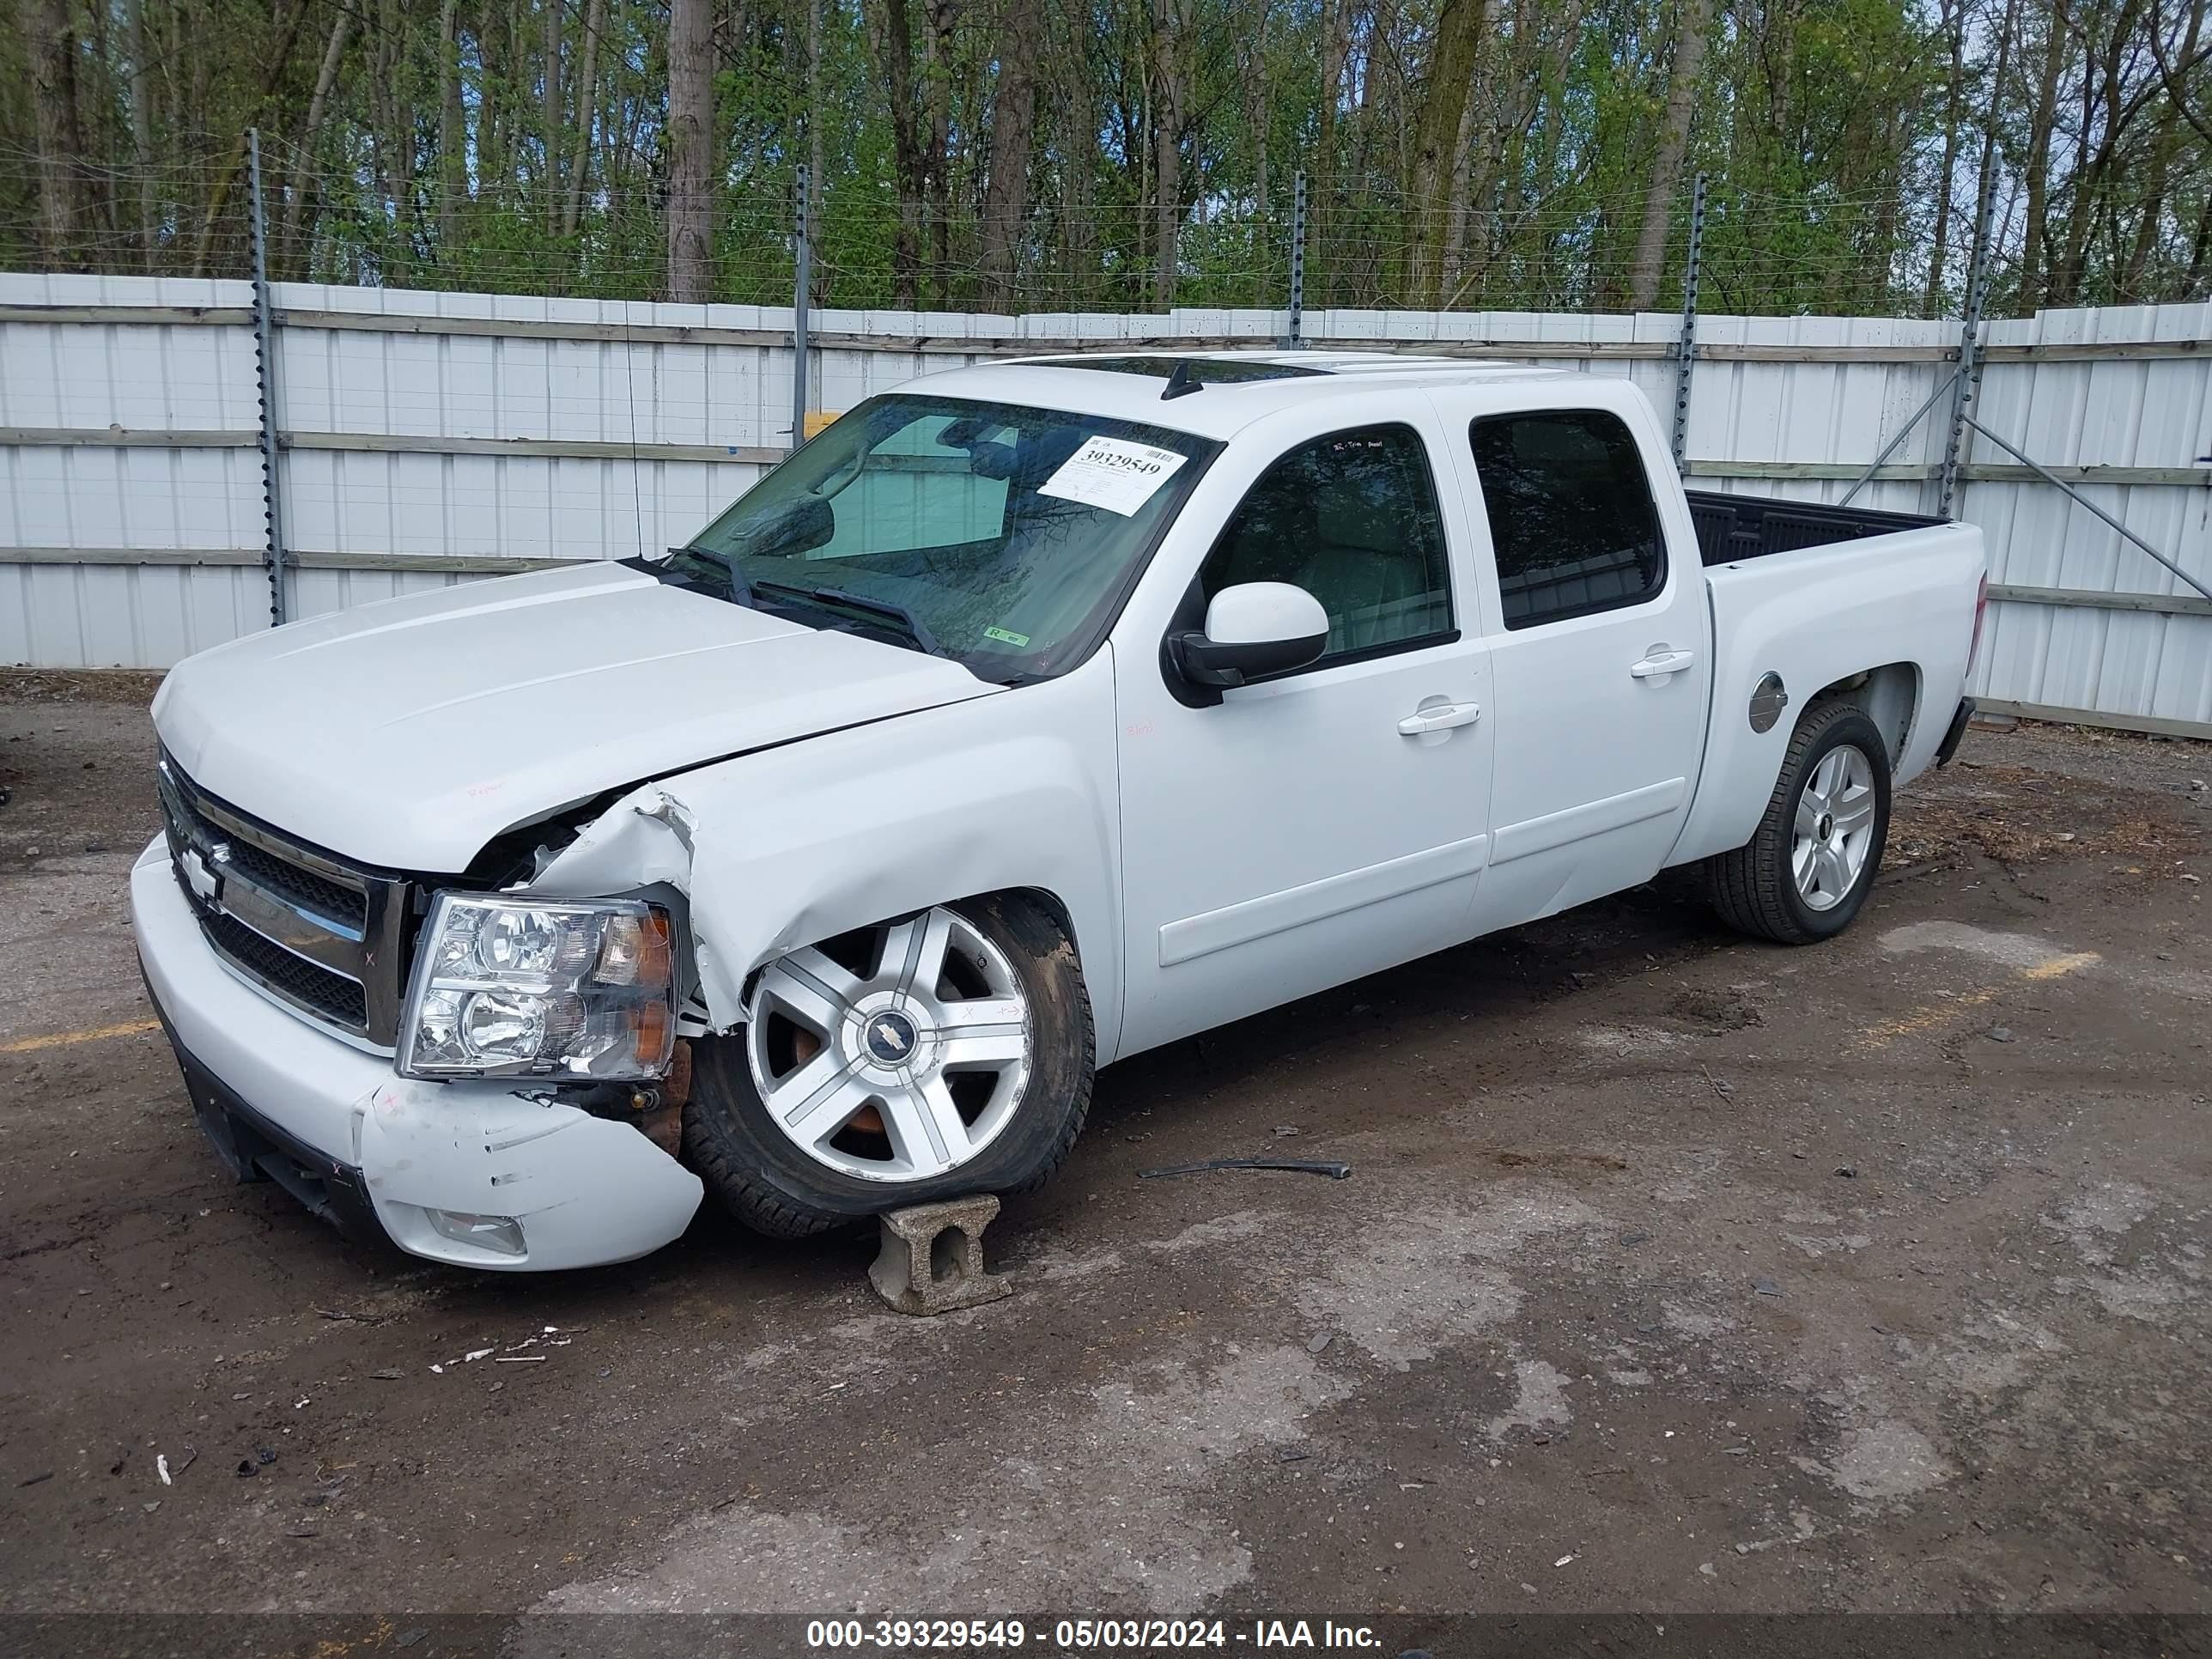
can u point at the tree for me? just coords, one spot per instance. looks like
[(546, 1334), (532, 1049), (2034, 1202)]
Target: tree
[(1445, 89), (1014, 108), (691, 146), (1111, 154), (1692, 28), (53, 104)]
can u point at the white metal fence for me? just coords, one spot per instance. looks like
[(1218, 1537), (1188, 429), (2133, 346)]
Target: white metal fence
[(428, 438)]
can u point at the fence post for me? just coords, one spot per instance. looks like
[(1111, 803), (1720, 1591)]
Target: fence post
[(1294, 338), (265, 362), (1969, 377), (803, 260), (1685, 348)]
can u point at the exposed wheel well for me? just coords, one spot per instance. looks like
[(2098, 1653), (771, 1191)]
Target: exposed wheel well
[(1889, 695)]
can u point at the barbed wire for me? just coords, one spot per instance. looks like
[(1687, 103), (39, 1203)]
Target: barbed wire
[(1872, 252)]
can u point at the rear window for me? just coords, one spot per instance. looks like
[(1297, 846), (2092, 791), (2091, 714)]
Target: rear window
[(1571, 518)]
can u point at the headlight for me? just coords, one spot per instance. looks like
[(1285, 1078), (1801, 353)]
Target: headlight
[(519, 987)]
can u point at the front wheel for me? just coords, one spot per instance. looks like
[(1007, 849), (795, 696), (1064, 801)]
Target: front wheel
[(1803, 876), (938, 1054)]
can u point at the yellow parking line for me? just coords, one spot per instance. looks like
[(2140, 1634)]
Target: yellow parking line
[(1937, 1015), (63, 1039)]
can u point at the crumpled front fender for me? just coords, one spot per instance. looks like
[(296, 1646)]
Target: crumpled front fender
[(796, 844)]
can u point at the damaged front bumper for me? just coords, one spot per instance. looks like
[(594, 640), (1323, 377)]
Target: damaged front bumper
[(364, 1145)]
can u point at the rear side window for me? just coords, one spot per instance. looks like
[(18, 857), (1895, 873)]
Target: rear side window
[(1571, 517)]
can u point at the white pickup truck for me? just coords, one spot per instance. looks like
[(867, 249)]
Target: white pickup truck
[(1032, 716)]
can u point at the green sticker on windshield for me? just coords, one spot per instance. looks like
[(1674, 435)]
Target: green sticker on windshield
[(1001, 633)]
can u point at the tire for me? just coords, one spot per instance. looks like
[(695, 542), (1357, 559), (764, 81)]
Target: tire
[(1756, 887), (770, 1182)]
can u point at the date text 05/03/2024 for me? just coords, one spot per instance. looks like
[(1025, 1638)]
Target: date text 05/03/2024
[(1084, 1635)]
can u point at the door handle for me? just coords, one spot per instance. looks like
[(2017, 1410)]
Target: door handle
[(1440, 719), (1662, 662)]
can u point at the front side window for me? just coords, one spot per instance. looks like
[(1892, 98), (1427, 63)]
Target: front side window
[(1001, 536), (1571, 519), (1352, 518)]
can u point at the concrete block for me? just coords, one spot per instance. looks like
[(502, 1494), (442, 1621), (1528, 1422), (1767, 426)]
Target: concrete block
[(932, 1259)]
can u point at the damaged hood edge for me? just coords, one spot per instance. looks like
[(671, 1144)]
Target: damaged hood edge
[(409, 734)]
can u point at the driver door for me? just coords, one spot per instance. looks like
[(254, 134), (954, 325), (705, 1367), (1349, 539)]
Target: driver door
[(1333, 820)]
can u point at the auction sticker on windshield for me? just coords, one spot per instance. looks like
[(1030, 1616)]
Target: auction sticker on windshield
[(1111, 473)]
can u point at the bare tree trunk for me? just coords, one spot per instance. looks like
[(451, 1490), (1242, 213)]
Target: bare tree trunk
[(1555, 96), (690, 139), (1255, 91), (2033, 261), (233, 165), (295, 201), (587, 96), (1649, 262), (1006, 190), (400, 86), (1953, 22), (1463, 193), (938, 196), (551, 94), (1779, 46), (2166, 143), (818, 172), (451, 175), (141, 129), (2200, 249), (1172, 23), (1321, 213), (53, 107), (1079, 131), (1445, 89), (894, 43)]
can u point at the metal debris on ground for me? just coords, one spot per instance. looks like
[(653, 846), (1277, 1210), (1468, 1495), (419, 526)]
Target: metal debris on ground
[(1295, 1165)]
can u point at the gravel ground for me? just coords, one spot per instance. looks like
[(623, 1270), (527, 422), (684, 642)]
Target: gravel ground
[(1674, 1272)]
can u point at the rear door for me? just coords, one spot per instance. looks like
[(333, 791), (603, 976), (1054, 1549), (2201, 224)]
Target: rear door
[(1595, 617)]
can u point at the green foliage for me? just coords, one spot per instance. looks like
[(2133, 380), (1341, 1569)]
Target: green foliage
[(1824, 126)]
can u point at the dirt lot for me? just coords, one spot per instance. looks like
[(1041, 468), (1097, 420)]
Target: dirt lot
[(1675, 1273)]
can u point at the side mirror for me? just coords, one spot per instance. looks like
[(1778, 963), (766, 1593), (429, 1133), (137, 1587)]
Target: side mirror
[(1252, 629)]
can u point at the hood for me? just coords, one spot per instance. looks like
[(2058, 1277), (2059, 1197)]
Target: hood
[(409, 733)]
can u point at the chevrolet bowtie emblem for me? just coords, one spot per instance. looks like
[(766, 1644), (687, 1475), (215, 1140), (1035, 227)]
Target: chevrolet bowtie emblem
[(205, 882)]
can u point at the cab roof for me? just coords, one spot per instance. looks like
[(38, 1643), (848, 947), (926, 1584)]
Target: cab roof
[(1217, 393)]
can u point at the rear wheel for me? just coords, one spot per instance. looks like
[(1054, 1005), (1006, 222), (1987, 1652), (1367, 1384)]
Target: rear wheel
[(1806, 872), (938, 1054)]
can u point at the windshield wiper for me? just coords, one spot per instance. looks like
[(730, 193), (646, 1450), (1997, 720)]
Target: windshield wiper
[(838, 598)]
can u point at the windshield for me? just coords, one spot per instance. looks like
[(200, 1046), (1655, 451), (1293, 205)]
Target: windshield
[(1001, 536)]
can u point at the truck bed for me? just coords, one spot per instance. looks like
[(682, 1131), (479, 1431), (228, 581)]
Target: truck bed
[(1732, 528)]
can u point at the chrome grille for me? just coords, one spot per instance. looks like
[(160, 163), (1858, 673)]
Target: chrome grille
[(315, 931)]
